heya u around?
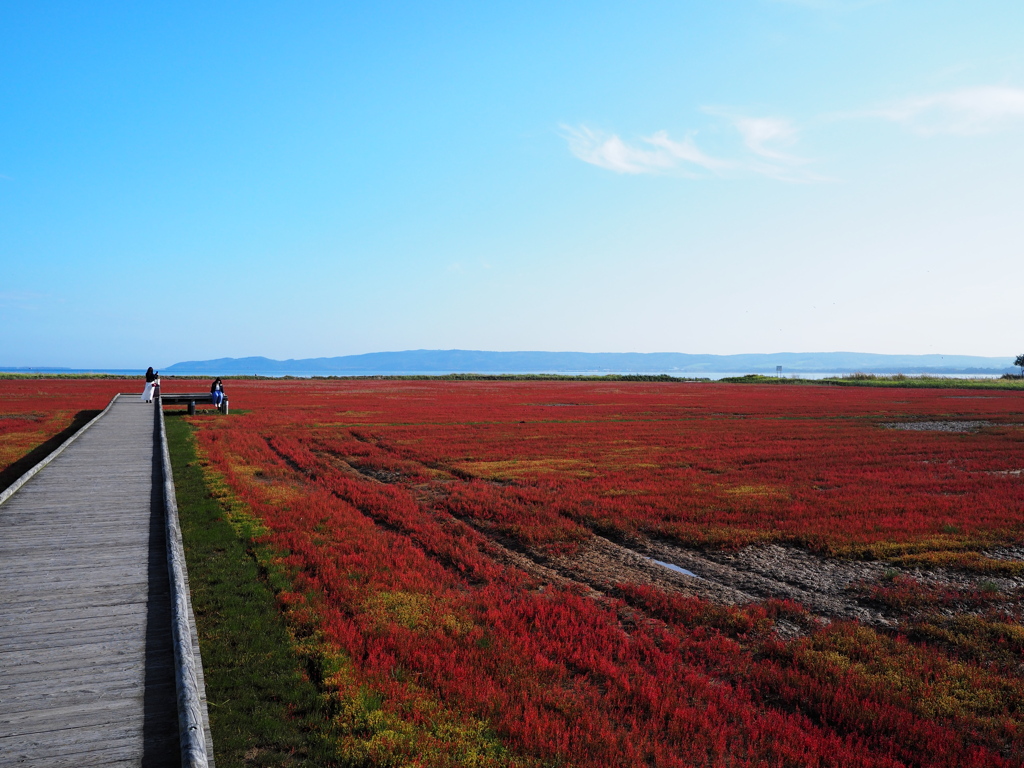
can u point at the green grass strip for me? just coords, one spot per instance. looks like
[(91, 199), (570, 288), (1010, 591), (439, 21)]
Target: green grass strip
[(263, 710)]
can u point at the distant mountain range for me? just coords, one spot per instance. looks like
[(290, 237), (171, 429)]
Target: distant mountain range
[(422, 361)]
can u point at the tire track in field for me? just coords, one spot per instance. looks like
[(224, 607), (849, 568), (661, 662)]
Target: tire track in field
[(754, 574), (509, 556), (823, 585), (600, 564)]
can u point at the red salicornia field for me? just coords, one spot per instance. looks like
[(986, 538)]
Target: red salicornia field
[(34, 410), (483, 564)]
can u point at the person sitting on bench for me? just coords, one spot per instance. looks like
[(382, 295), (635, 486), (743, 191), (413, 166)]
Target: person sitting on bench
[(217, 392)]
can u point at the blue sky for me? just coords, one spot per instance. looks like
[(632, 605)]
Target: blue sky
[(316, 179)]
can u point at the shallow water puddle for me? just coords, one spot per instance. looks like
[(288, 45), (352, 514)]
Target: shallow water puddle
[(676, 568)]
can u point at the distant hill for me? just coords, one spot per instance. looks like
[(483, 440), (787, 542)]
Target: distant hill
[(677, 363)]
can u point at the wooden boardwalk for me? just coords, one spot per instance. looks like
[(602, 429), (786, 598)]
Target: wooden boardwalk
[(86, 660)]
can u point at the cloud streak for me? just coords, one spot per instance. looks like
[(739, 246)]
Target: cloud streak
[(655, 154), (766, 142), (759, 133), (762, 138), (964, 112)]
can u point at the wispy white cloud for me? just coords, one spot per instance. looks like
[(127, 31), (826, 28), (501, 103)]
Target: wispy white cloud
[(767, 145), (686, 151), (656, 153), (764, 135), (765, 138), (762, 140), (967, 111)]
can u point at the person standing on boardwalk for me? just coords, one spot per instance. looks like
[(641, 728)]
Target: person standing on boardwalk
[(152, 380)]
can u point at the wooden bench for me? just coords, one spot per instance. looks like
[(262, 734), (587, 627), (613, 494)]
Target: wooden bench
[(192, 399)]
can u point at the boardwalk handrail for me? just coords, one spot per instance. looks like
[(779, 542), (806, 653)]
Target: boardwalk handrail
[(54, 453), (190, 703)]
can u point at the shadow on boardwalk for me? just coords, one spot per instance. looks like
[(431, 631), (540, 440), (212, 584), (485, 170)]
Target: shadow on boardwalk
[(159, 706)]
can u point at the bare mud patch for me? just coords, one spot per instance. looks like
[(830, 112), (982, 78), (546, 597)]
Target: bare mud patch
[(380, 475), (1006, 553), (937, 426), (766, 571), (831, 588)]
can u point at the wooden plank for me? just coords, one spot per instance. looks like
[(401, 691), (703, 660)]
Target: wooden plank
[(99, 651), (78, 569), (34, 721), (43, 626), (113, 754), (96, 595), (60, 666), (29, 543), (96, 600), (68, 619), (70, 589), (29, 700), (52, 704), (126, 758), (16, 683), (116, 554), (99, 531), (124, 634), (69, 740), (59, 747)]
